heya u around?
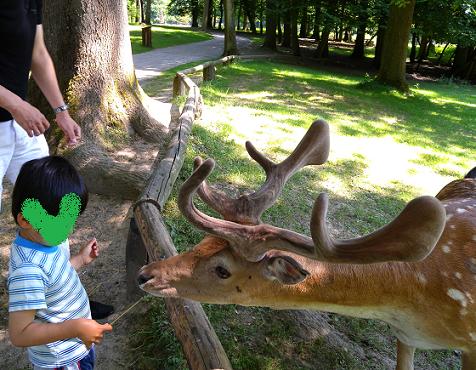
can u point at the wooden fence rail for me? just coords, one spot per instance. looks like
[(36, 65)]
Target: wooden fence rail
[(149, 239)]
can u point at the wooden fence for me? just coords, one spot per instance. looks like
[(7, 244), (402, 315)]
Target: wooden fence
[(149, 239)]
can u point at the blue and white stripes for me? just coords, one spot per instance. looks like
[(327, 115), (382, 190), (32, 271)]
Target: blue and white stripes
[(41, 278)]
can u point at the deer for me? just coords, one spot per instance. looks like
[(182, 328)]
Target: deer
[(417, 273)]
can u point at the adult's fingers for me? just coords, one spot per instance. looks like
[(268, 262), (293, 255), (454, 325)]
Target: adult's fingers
[(45, 123)]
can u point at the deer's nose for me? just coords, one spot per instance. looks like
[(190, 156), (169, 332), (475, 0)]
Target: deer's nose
[(143, 278)]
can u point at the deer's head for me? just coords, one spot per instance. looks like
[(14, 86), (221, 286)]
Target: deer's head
[(245, 261)]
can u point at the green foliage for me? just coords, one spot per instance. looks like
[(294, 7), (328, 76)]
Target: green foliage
[(273, 104)]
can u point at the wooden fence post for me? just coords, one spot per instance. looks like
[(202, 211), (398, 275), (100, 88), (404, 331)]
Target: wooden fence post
[(209, 73), (136, 257)]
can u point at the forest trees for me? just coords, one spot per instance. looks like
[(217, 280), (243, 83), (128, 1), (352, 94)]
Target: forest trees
[(96, 75), (394, 52), (361, 24)]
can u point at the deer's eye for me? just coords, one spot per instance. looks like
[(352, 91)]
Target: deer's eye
[(222, 272)]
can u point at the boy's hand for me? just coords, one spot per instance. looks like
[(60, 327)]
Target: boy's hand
[(89, 252), (90, 331)]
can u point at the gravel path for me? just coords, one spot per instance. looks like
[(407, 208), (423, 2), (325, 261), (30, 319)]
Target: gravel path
[(150, 64)]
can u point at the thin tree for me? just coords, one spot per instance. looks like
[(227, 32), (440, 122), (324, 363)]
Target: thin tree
[(97, 78), (230, 33), (205, 17), (394, 53), (270, 37)]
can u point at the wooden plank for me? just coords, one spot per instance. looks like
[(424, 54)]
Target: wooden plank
[(136, 257), (200, 344), (166, 169)]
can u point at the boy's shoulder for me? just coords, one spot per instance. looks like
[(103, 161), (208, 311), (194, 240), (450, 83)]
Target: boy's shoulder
[(25, 254)]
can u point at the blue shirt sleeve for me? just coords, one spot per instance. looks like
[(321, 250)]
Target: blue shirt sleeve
[(26, 288)]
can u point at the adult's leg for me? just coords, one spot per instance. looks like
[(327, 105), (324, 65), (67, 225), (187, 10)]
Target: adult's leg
[(7, 145), (26, 149)]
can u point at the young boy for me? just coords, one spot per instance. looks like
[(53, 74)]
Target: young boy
[(48, 306)]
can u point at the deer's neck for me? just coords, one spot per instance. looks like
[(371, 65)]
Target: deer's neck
[(355, 290)]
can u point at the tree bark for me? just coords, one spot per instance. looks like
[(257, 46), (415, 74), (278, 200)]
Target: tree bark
[(148, 12), (394, 53), (270, 37), (423, 53), (317, 20), (287, 30), (98, 80), (322, 50), (359, 47), (304, 23), (230, 34), (142, 11), (138, 11), (413, 49), (221, 15), (294, 28), (206, 13), (250, 11), (195, 13), (379, 44)]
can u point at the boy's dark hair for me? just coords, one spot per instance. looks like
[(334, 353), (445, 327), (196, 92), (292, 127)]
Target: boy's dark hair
[(48, 179)]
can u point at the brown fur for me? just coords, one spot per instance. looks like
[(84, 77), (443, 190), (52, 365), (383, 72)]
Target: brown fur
[(430, 304)]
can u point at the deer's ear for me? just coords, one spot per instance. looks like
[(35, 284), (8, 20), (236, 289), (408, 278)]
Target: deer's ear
[(284, 269)]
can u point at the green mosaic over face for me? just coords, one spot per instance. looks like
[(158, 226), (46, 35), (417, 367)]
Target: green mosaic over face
[(53, 229)]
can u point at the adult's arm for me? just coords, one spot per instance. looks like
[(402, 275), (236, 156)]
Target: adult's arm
[(43, 72), (27, 116), (24, 332)]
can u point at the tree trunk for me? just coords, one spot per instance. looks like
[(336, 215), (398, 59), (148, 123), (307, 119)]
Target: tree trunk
[(460, 62), (294, 28), (142, 11), (261, 18), (138, 11), (221, 15), (238, 16), (98, 80), (195, 13), (270, 37), (317, 20), (379, 43), (394, 53), (250, 11), (206, 13), (413, 49), (148, 12), (359, 47), (230, 34), (280, 30), (322, 50), (422, 53), (304, 22), (287, 30)]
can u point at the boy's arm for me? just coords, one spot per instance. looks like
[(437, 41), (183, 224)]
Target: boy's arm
[(86, 255), (24, 332)]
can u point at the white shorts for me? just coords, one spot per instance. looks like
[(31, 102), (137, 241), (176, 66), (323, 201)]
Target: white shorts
[(16, 148)]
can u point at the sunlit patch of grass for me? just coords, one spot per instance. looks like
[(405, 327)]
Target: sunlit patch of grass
[(163, 37), (386, 148)]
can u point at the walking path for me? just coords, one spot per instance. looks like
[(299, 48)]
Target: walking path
[(150, 64)]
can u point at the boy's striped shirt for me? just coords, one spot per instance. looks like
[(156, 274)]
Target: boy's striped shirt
[(42, 278)]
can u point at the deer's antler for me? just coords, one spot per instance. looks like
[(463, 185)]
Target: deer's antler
[(312, 150), (410, 237)]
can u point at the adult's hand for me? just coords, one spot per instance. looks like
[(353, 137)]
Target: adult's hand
[(29, 118), (71, 129)]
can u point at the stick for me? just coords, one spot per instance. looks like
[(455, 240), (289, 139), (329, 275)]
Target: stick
[(126, 311)]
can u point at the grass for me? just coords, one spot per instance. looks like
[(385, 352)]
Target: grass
[(163, 37), (386, 148)]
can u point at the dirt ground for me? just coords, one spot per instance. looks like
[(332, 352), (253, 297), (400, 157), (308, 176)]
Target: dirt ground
[(106, 219)]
